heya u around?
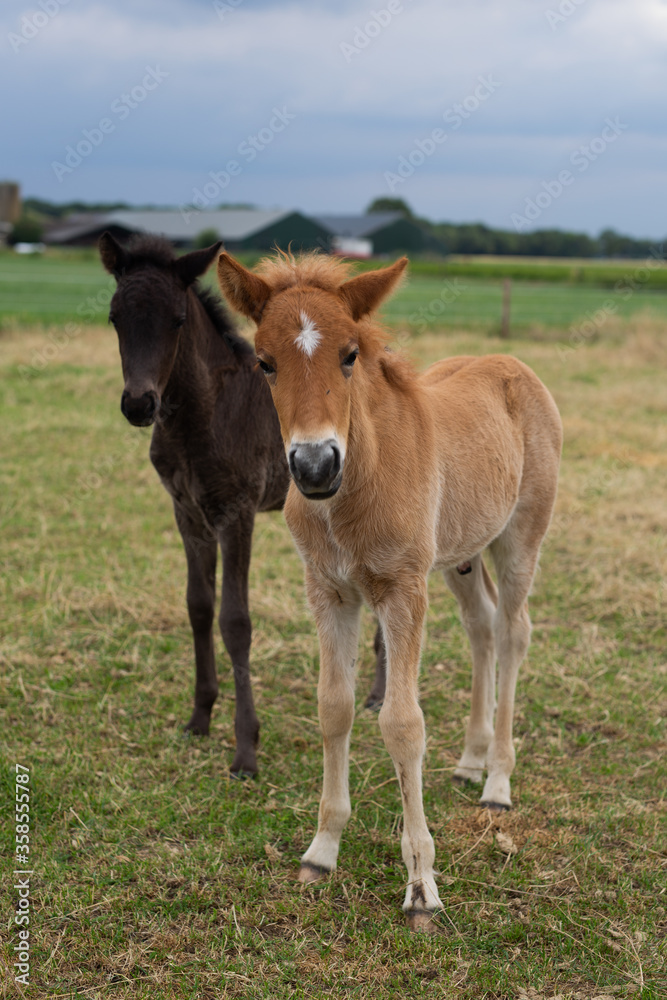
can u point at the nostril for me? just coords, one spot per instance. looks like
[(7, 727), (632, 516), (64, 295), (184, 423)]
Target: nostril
[(140, 410), (315, 465), (150, 401), (335, 460)]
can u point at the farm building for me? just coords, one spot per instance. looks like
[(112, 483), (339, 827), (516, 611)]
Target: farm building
[(241, 229), (382, 232)]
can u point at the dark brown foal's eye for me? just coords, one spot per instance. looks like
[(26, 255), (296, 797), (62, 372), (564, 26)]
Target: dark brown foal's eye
[(266, 368), (178, 323)]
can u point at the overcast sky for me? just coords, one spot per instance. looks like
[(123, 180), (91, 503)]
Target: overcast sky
[(516, 113)]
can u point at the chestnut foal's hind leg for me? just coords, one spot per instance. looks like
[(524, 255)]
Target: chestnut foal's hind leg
[(477, 598), (515, 555), (376, 696), (236, 629), (201, 549)]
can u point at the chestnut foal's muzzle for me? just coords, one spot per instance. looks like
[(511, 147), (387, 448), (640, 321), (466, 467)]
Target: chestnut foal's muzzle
[(316, 468)]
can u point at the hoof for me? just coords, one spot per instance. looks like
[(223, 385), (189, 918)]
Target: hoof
[(497, 806), (198, 725), (192, 730), (309, 872), (466, 780), (374, 702), (421, 922), (242, 773)]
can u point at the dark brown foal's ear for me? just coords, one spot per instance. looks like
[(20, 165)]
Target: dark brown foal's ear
[(364, 293), (191, 266), (114, 256), (246, 292)]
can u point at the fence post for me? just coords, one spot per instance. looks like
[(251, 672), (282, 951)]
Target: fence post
[(507, 301)]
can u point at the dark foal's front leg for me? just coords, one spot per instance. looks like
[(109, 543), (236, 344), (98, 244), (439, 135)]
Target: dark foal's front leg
[(376, 696), (201, 549), (236, 544)]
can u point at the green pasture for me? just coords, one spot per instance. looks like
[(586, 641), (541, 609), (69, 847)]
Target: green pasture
[(547, 299), (156, 875)]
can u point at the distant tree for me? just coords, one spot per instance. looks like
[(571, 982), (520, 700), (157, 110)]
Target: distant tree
[(237, 206), (26, 230), (205, 238), (390, 205)]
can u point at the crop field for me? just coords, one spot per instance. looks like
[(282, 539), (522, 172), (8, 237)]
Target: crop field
[(547, 300), (155, 874)]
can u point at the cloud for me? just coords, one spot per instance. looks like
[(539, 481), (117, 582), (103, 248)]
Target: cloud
[(365, 84)]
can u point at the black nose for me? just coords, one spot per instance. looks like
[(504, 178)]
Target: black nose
[(140, 410), (316, 468)]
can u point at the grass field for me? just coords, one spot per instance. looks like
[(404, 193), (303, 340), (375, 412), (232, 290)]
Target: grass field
[(547, 298), (155, 875)]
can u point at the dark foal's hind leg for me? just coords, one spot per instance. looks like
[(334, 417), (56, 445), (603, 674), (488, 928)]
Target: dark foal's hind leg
[(236, 544), (201, 549), (376, 696)]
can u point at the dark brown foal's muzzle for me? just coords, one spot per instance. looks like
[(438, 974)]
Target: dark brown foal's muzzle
[(142, 410)]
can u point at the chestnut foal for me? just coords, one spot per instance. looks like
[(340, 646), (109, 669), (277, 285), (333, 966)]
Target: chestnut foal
[(395, 474)]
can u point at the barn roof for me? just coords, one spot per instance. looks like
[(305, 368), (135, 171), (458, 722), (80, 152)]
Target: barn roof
[(357, 226), (178, 226)]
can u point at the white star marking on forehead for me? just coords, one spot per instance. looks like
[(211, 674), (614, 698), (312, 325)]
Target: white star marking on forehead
[(309, 337)]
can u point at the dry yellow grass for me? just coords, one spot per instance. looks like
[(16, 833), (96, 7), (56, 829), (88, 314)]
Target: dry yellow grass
[(160, 877)]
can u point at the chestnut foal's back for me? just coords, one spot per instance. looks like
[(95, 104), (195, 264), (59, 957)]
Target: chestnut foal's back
[(394, 474)]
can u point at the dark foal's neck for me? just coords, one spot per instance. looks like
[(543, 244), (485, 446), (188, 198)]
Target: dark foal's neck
[(208, 347)]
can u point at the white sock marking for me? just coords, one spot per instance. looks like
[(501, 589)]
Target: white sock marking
[(309, 337)]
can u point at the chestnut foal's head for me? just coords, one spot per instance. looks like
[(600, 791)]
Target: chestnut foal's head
[(309, 342), (149, 310)]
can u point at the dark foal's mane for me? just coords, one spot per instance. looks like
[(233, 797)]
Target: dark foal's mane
[(157, 251)]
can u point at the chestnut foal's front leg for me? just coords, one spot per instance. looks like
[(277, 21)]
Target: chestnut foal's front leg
[(402, 618), (337, 614)]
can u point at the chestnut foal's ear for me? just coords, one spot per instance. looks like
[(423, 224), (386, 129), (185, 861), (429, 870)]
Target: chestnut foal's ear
[(246, 292), (191, 266), (114, 256), (364, 293)]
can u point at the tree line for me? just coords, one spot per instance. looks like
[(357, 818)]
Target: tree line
[(439, 238)]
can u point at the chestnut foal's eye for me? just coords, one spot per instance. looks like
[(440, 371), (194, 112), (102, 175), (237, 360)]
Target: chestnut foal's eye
[(348, 362), (266, 368)]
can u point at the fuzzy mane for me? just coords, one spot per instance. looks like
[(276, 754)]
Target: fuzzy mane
[(157, 251), (149, 249), (314, 270)]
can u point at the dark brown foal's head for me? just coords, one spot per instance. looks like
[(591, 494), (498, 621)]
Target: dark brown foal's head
[(149, 310)]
